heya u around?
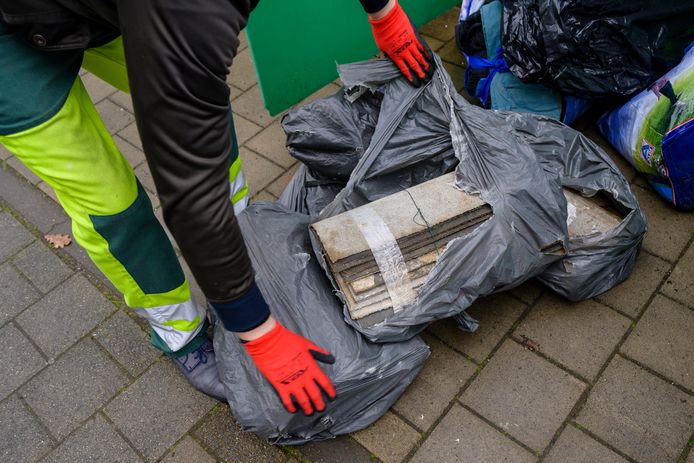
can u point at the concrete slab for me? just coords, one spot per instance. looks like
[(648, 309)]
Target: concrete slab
[(22, 439), (158, 409), (64, 315), (574, 446), (21, 360), (581, 336), (512, 391), (127, 343), (663, 341), (631, 295), (496, 315), (638, 413), (16, 293), (225, 439), (42, 267), (95, 441), (462, 436), (442, 377), (71, 389), (389, 438)]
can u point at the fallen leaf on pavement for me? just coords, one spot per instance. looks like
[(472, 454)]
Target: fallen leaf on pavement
[(58, 241), (529, 343)]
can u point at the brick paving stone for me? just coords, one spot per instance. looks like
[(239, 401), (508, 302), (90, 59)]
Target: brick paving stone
[(234, 92), (389, 438), (457, 74), (668, 230), (135, 156), (16, 293), (259, 171), (680, 284), (157, 409), (20, 360), (114, 117), (19, 166), (449, 52), (496, 315), (442, 27), (574, 446), (128, 344), (245, 129), (524, 394), (13, 236), (638, 413), (528, 292), (72, 388), (250, 105), (663, 341), (444, 373), (40, 265), (631, 295), (225, 439), (187, 451), (64, 315), (123, 100), (97, 88), (434, 44), (145, 175), (339, 450), (40, 211), (242, 72), (323, 92), (461, 436), (263, 196), (580, 336), (243, 40), (271, 143), (277, 187), (22, 439), (131, 135), (46, 188), (690, 458), (96, 441), (4, 153)]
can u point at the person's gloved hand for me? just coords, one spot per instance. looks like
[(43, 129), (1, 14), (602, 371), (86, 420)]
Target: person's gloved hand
[(395, 36), (287, 361)]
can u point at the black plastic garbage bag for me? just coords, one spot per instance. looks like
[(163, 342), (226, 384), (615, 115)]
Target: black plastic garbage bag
[(595, 48), (368, 377), (518, 163)]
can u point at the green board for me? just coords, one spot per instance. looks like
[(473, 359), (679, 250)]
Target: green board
[(296, 44)]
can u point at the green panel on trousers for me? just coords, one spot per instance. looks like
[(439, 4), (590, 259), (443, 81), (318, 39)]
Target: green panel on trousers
[(34, 84), (137, 240), (296, 44)]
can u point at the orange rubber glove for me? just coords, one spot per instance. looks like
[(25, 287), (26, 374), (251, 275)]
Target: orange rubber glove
[(287, 361), (395, 36)]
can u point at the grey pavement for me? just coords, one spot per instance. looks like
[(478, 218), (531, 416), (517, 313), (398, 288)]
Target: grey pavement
[(611, 381)]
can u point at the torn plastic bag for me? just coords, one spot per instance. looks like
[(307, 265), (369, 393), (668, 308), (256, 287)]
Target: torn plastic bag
[(655, 133), (487, 77), (518, 163), (594, 48), (368, 377)]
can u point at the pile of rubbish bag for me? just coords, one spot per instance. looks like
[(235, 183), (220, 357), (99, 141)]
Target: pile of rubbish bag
[(378, 136), (554, 57), (654, 131)]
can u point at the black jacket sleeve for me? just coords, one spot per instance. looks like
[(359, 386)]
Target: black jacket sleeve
[(178, 53), (372, 6)]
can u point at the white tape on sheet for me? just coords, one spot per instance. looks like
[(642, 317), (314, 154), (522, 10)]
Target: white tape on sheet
[(387, 255)]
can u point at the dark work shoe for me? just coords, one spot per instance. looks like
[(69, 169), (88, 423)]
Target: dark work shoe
[(200, 369)]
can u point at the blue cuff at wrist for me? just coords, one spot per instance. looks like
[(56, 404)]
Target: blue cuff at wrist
[(244, 313)]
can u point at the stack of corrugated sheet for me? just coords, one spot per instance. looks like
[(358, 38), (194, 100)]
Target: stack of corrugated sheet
[(380, 254)]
